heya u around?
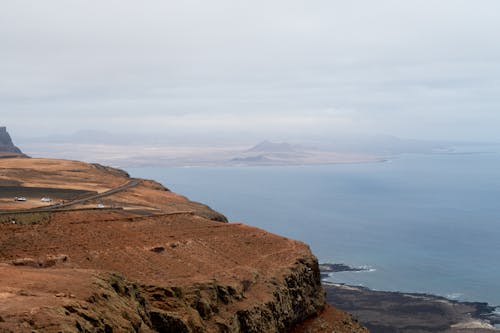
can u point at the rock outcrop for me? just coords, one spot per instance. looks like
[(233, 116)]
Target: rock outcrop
[(6, 144)]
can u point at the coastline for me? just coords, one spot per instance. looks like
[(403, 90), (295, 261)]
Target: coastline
[(400, 316), (402, 312), (168, 155)]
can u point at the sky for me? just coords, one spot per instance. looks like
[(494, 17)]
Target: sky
[(416, 69)]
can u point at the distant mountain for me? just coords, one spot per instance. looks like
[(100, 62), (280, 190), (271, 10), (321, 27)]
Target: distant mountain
[(252, 159), (6, 144), (272, 147), (381, 144), (274, 153)]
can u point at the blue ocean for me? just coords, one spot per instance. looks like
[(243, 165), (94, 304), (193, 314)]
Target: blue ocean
[(421, 223)]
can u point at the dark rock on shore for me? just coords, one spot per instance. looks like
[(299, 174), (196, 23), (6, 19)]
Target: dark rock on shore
[(334, 268), (326, 269), (394, 312)]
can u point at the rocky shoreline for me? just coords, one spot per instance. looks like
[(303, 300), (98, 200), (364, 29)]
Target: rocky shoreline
[(398, 312), (327, 269)]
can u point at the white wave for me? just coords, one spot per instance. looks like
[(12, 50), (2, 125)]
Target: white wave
[(365, 268), (355, 269), (368, 268), (360, 269), (454, 296)]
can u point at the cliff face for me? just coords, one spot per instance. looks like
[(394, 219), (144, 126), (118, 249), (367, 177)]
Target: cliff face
[(151, 262), (6, 144), (107, 302), (175, 273)]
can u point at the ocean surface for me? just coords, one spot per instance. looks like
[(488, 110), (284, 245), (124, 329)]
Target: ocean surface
[(421, 223)]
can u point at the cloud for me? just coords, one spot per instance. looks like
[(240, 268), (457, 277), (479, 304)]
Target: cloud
[(424, 69)]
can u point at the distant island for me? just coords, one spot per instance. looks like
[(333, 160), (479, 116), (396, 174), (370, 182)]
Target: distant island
[(171, 151), (273, 147), (283, 153), (265, 153)]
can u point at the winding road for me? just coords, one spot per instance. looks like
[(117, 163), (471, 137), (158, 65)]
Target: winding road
[(132, 183)]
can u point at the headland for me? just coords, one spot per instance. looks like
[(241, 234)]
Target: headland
[(89, 249)]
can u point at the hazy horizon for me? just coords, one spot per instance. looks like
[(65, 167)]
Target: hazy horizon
[(252, 70)]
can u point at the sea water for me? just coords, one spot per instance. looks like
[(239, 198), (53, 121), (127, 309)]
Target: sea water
[(421, 223)]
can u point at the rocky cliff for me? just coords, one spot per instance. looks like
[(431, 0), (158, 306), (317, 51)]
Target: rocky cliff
[(147, 260), (6, 144)]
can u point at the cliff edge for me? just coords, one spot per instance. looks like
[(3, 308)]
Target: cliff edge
[(111, 253)]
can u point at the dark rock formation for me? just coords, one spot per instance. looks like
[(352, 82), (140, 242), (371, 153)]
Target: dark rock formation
[(326, 269), (6, 144), (395, 312)]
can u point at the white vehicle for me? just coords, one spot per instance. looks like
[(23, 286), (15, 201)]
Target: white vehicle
[(20, 199), (45, 199), (100, 206)]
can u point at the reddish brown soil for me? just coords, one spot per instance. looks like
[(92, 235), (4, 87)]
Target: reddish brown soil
[(52, 264), (330, 320), (53, 174), (194, 249), (147, 197), (40, 172), (4, 154), (26, 291)]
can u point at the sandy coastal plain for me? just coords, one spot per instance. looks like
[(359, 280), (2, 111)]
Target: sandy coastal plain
[(193, 155)]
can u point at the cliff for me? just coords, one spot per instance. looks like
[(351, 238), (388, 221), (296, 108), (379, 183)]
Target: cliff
[(6, 144), (146, 260)]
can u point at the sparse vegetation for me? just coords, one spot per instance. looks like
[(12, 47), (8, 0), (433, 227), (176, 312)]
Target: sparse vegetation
[(25, 218)]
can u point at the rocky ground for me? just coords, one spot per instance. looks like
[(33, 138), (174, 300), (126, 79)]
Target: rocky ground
[(149, 261), (393, 312)]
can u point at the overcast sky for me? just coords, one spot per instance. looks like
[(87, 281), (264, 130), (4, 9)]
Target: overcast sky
[(420, 69)]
